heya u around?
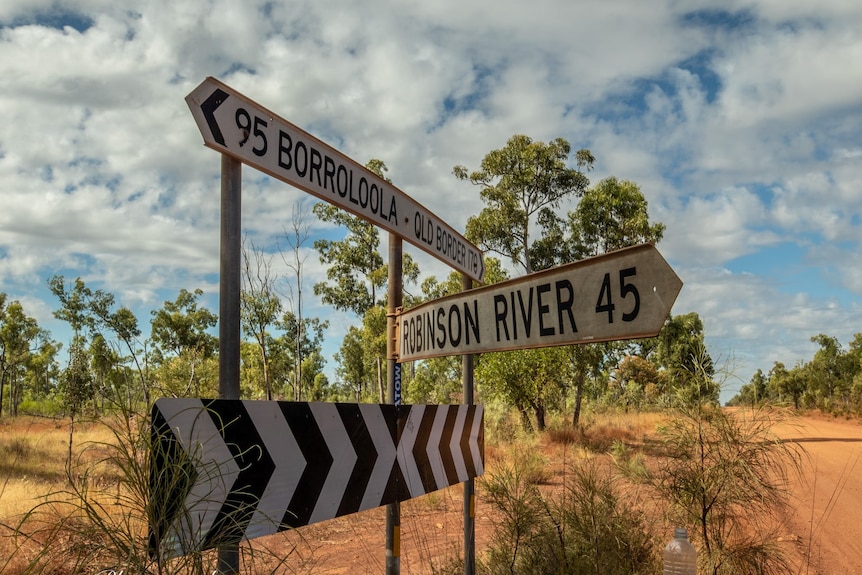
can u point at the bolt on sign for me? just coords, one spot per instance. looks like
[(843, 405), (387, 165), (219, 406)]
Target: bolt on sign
[(626, 294)]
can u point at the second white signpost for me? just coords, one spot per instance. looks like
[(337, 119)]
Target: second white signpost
[(624, 294)]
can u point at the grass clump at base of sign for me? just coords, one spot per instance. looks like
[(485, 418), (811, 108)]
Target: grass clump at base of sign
[(583, 528)]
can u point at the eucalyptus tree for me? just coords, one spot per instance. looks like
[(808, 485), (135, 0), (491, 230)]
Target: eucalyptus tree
[(260, 304), (611, 215), (296, 237), (351, 367), (523, 185), (77, 307), (183, 344), (301, 343), (18, 335), (682, 353)]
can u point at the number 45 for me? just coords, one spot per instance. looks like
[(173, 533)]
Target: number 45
[(605, 302)]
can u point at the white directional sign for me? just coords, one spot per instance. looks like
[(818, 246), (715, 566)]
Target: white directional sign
[(232, 124), (625, 294), (228, 470)]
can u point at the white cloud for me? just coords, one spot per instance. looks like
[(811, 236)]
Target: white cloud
[(716, 229), (741, 128)]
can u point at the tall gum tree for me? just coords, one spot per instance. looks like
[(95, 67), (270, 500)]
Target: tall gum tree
[(610, 216), (523, 186)]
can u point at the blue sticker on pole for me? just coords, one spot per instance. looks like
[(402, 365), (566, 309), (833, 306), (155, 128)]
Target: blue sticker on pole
[(397, 374)]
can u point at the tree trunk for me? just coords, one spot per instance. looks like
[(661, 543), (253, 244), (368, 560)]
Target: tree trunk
[(525, 419), (539, 410), (380, 380), (13, 394), (579, 394), (69, 454), (265, 365)]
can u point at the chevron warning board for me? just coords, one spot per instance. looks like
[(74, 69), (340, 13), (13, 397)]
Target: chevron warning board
[(227, 470)]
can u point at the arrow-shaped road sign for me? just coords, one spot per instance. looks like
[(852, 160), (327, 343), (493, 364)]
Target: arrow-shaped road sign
[(227, 470), (232, 124), (625, 294)]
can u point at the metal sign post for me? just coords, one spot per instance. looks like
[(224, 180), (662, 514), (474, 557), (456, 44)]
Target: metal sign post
[(469, 485), (229, 302), (394, 300)]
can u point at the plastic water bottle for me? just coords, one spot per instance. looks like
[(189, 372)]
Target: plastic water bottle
[(680, 558)]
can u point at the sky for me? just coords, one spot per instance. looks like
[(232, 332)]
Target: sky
[(741, 121)]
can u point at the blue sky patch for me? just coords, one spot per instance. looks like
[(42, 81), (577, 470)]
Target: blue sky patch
[(57, 20)]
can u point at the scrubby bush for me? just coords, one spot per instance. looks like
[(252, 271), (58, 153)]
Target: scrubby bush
[(583, 529)]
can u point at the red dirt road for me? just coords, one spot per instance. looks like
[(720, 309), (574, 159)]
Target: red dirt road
[(825, 527), (823, 530)]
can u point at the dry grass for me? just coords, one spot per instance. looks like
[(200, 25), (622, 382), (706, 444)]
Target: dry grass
[(33, 455), (601, 431)]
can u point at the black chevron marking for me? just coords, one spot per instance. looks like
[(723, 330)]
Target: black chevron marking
[(420, 450), (172, 475), (318, 462), (255, 469), (465, 441), (366, 456), (209, 107), (445, 449), (396, 488), (481, 439)]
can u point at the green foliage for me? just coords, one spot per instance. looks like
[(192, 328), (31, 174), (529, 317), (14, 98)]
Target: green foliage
[(184, 350), (526, 379), (520, 182), (353, 371), (611, 215), (831, 381), (688, 367), (355, 270), (19, 335), (636, 382), (726, 476), (589, 528)]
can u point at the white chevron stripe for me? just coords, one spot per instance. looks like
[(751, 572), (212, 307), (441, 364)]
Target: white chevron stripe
[(382, 439), (282, 447), (435, 460), (343, 460), (213, 461), (405, 451), (455, 442), (478, 420)]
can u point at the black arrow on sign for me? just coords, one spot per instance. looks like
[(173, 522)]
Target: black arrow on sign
[(420, 449), (360, 438), (168, 491), (445, 450), (218, 481), (465, 441), (209, 107), (318, 462), (255, 470)]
